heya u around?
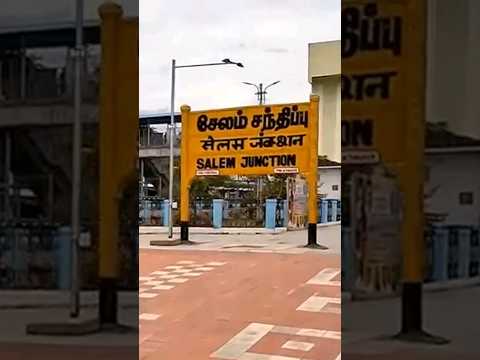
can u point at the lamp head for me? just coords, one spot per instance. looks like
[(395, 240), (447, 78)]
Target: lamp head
[(228, 61)]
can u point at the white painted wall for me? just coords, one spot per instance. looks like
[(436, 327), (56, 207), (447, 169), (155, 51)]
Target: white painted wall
[(454, 173), (328, 177), (329, 130), (324, 69)]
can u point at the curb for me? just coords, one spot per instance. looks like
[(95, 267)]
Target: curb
[(428, 287), (225, 231), (333, 223), (221, 231), (451, 284), (19, 299), (165, 242)]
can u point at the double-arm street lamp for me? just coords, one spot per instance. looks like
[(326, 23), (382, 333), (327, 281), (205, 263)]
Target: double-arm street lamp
[(172, 131), (261, 91)]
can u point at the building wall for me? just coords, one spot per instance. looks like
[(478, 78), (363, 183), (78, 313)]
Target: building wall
[(453, 174), (324, 59), (329, 140), (324, 69), (329, 178)]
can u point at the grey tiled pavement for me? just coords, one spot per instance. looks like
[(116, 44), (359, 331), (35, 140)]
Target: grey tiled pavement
[(289, 242)]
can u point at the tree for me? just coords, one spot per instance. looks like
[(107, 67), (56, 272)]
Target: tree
[(275, 187), (204, 187)]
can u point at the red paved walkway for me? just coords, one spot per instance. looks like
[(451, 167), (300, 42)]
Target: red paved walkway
[(201, 313)]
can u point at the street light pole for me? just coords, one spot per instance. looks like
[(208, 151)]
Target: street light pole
[(172, 130), (77, 163), (261, 91), (170, 183)]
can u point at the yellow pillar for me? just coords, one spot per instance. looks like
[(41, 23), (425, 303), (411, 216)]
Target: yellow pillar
[(126, 124), (413, 174), (118, 144), (110, 14), (313, 171), (185, 176), (414, 253)]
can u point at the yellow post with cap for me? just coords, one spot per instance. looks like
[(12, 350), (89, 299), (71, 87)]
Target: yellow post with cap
[(118, 128), (185, 176)]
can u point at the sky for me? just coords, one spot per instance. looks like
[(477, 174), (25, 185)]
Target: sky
[(269, 37)]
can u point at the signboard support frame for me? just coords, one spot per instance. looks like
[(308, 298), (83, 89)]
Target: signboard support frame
[(184, 182), (312, 176), (310, 171), (413, 237)]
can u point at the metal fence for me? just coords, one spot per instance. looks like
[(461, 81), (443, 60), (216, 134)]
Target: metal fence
[(151, 211), (243, 213), (28, 256), (201, 213)]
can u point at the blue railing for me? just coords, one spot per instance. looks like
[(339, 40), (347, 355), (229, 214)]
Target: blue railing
[(453, 253), (329, 210), (28, 255), (37, 255), (237, 213)]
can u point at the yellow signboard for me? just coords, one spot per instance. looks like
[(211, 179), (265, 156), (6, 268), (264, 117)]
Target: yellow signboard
[(374, 77), (383, 90), (252, 140)]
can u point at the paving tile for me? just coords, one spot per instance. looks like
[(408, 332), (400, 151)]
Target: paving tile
[(160, 273), (298, 345), (149, 317), (177, 280), (145, 295), (163, 287), (192, 274), (153, 283), (320, 304), (215, 263)]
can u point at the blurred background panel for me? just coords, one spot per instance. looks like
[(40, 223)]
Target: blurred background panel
[(410, 153), (50, 86)]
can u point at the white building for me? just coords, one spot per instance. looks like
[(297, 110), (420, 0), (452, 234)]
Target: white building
[(329, 179), (452, 185), (324, 73)]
